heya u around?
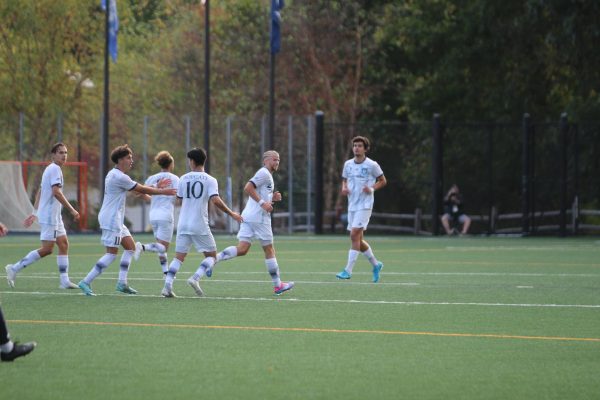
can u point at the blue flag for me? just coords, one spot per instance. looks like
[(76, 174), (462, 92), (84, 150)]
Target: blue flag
[(276, 6), (113, 27)]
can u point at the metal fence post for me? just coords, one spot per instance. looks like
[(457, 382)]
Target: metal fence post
[(187, 139), (103, 160), (576, 176), (21, 134), (145, 169), (525, 179), (564, 129), (491, 197), (320, 140), (263, 127), (290, 175), (229, 189), (437, 175), (309, 168), (59, 127)]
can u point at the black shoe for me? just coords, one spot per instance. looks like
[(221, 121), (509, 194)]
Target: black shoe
[(18, 350)]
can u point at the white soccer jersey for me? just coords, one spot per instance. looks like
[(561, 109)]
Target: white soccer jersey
[(49, 207), (195, 189), (161, 206), (264, 184), (357, 177), (112, 212)]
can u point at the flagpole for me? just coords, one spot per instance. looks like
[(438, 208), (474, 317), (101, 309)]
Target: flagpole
[(105, 130), (275, 39), (271, 143), (207, 82)]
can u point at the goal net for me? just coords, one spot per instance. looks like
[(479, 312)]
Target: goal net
[(15, 205), (20, 182)]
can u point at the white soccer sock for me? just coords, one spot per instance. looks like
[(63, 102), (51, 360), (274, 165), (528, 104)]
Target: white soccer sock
[(162, 259), (207, 263), (124, 265), (352, 256), (228, 253), (370, 256), (100, 266), (155, 247), (173, 269), (273, 269), (63, 267), (30, 258)]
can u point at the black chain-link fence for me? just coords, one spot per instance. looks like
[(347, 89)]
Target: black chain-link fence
[(550, 171)]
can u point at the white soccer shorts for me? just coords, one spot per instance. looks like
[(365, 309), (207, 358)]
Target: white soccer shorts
[(359, 219), (51, 232)]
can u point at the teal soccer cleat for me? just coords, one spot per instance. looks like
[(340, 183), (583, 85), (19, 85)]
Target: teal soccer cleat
[(125, 288), (86, 289), (343, 275), (376, 269)]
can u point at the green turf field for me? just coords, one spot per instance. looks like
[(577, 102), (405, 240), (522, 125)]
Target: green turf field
[(451, 318)]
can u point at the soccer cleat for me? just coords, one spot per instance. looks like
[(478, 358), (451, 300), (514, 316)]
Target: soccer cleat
[(85, 288), (343, 275), (196, 286), (68, 285), (284, 287), (11, 275), (125, 288), (376, 269), (168, 292), (19, 350), (138, 250)]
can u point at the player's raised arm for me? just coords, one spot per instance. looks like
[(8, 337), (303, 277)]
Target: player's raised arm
[(220, 204), (139, 188)]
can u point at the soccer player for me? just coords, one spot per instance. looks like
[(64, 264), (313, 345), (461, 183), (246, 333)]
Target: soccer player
[(257, 220), (112, 216), (161, 211), (49, 202), (195, 190), (10, 350), (360, 179)]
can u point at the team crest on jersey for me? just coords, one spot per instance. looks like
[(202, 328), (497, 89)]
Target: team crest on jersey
[(364, 171)]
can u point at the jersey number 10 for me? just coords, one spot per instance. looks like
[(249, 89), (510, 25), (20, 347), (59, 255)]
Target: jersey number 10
[(193, 190)]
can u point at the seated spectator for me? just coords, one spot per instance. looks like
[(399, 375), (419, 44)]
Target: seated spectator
[(454, 212)]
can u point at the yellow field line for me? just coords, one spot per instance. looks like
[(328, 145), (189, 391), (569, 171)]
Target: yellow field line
[(312, 330)]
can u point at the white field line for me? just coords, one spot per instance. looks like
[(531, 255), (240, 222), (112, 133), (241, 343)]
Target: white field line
[(219, 272), (138, 277), (522, 248), (332, 301)]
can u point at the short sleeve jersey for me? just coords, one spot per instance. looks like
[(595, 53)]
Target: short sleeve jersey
[(264, 184), (162, 207), (112, 212), (359, 175), (48, 207), (195, 190)]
